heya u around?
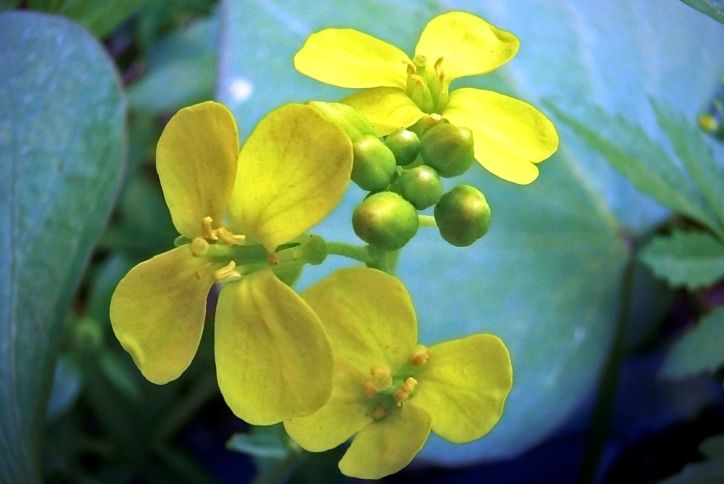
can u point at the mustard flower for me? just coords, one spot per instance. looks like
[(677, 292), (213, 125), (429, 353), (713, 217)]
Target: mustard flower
[(510, 136), (389, 392), (234, 210)]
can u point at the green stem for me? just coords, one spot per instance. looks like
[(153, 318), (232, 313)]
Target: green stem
[(361, 254), (603, 407), (427, 221)]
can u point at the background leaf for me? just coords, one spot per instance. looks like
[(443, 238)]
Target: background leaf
[(698, 350), (642, 160), (63, 144), (98, 16), (547, 278), (712, 8), (691, 259), (185, 60), (696, 156)]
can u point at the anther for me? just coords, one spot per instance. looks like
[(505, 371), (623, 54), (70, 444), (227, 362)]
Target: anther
[(420, 356), (227, 273), (228, 237), (405, 390), (381, 377), (199, 247), (206, 229)]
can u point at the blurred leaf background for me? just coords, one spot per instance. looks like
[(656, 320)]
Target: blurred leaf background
[(591, 275)]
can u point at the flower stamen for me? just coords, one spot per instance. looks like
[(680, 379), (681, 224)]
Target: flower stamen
[(405, 391), (227, 273)]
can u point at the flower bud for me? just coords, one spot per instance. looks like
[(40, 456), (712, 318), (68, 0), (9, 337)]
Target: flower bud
[(426, 122), (352, 122), (374, 164), (385, 220), (462, 215), (448, 149), (405, 145), (421, 186)]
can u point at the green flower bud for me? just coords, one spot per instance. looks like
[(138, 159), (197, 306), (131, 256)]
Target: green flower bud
[(462, 215), (405, 145), (427, 122), (352, 122), (374, 164), (448, 149), (421, 186), (385, 220)]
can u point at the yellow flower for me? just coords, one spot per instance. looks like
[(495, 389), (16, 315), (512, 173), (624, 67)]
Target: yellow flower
[(389, 392), (510, 136), (273, 359)]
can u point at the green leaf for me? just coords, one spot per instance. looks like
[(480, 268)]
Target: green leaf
[(697, 157), (710, 471), (62, 146), (261, 442), (639, 158), (691, 259), (547, 277), (712, 8), (699, 350), (98, 16), (186, 60)]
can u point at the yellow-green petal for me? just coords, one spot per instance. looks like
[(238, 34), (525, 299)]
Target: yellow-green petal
[(387, 445), (344, 414), (196, 162), (350, 58), (157, 312), (293, 170), (388, 109), (467, 44), (510, 136), (464, 385), (273, 361), (368, 317)]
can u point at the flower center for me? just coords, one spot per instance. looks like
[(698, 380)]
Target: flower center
[(387, 392), (427, 85)]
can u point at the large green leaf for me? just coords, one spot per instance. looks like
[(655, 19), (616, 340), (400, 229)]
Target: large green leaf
[(62, 145), (548, 276), (688, 258)]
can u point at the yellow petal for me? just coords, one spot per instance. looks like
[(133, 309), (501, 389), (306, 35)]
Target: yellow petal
[(344, 414), (467, 44), (368, 317), (349, 58), (387, 108), (464, 385), (196, 161), (293, 170), (158, 309), (273, 361), (510, 136), (387, 445)]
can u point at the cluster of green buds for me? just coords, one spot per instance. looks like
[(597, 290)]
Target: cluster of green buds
[(403, 174)]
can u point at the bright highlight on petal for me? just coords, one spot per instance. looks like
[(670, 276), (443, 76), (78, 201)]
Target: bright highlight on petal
[(196, 161), (388, 109), (464, 386), (293, 170), (157, 312), (510, 136), (368, 317), (467, 44), (273, 361), (387, 445), (341, 417), (350, 58)]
